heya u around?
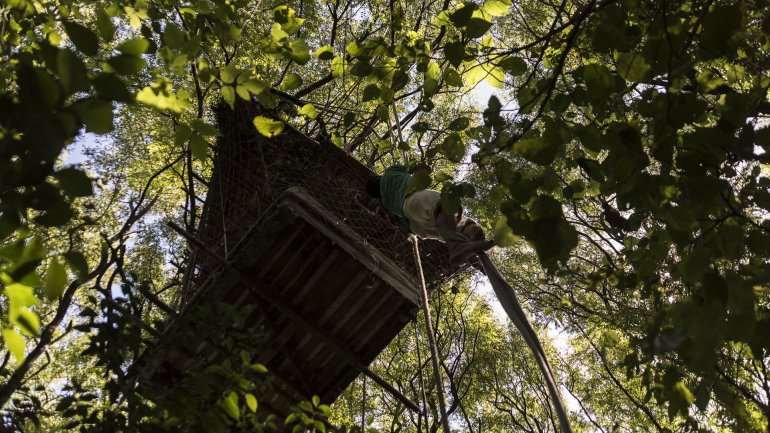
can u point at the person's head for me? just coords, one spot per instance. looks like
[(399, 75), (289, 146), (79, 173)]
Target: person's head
[(373, 186)]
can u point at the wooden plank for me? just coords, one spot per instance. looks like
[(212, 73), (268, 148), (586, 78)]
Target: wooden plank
[(341, 299), (308, 209), (287, 246), (379, 320), (319, 273), (306, 252), (354, 310)]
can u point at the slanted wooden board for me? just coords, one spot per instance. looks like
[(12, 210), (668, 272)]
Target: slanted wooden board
[(300, 257)]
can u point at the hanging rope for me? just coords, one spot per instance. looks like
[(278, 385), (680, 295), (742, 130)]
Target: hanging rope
[(431, 338), (419, 373), (510, 303), (363, 404)]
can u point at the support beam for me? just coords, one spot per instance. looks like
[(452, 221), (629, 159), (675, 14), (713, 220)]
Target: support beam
[(271, 295)]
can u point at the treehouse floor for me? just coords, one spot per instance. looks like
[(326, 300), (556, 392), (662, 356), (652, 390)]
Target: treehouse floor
[(326, 302)]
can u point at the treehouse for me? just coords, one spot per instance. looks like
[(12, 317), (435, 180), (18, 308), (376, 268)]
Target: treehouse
[(329, 276)]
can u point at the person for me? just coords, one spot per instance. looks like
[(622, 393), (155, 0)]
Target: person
[(423, 214)]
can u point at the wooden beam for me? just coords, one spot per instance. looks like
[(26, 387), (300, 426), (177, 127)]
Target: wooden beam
[(272, 296), (350, 241)]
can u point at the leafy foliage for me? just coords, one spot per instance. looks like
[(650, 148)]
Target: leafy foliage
[(622, 164)]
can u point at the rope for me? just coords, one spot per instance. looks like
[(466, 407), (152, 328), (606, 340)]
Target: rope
[(419, 373), (431, 338), (363, 404), (510, 303)]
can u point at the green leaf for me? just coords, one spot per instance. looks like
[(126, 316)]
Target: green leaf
[(429, 87), (496, 8), (28, 321), (361, 68), (681, 398), (708, 80), (371, 92), (316, 400), (291, 82), (386, 94), (77, 262), (72, 72), (228, 94), (205, 129), (319, 425), (199, 147), (632, 66), (591, 138), (309, 111), (126, 64), (228, 74), (504, 236), (134, 47), (495, 76), (242, 92), (536, 149), (259, 368), (450, 199), (15, 343), (104, 25), (251, 402), (254, 86), (420, 126), (55, 280), (349, 118), (306, 406), (182, 133), (694, 265), (454, 53), (173, 36), (19, 296), (477, 27), (267, 126), (599, 82), (230, 405), (461, 16), (109, 86), (721, 29), (324, 53), (459, 124), (95, 113), (453, 147), (338, 66), (419, 181), (433, 71), (300, 52), (515, 66), (610, 30), (74, 182), (162, 99), (57, 215), (452, 77), (84, 39)]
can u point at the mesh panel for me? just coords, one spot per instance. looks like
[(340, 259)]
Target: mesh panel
[(251, 171)]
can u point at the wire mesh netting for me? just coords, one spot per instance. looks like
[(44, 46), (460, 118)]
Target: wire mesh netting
[(251, 172)]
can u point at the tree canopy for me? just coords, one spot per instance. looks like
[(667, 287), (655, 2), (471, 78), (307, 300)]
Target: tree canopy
[(621, 165)]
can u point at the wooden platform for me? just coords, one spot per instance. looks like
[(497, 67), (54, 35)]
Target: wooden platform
[(326, 300)]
